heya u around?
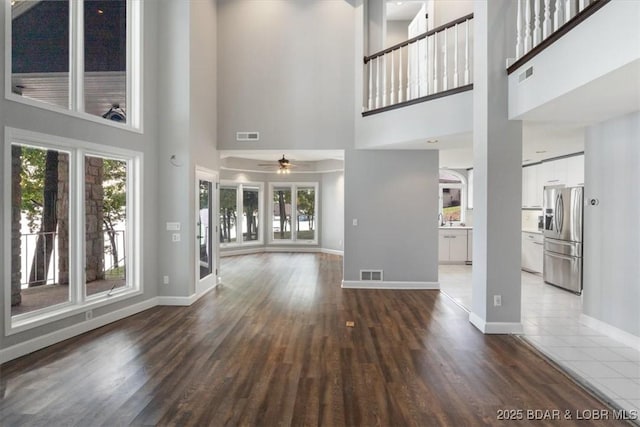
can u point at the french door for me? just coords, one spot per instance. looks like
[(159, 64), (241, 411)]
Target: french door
[(206, 226)]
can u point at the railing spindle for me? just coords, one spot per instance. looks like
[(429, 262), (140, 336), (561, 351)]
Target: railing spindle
[(569, 10), (378, 82), (527, 26), (400, 75), (435, 63), (558, 16), (393, 80), (384, 80), (546, 25), (519, 38), (537, 19), (466, 52), (370, 95), (455, 57), (445, 70)]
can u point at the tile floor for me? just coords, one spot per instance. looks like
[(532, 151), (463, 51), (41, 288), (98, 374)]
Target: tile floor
[(550, 318)]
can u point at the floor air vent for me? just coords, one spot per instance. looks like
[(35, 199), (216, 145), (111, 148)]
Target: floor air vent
[(371, 275), (247, 136)]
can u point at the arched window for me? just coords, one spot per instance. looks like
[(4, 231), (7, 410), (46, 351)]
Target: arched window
[(453, 196)]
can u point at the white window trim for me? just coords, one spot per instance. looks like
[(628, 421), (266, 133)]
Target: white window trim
[(79, 302), (294, 200), (76, 68), (239, 186)]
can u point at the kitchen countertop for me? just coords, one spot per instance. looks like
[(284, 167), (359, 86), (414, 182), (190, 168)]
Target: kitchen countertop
[(455, 227), (532, 231)]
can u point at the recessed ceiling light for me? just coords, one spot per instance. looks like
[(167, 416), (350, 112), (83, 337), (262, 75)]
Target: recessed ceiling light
[(541, 151), (432, 141), (100, 11)]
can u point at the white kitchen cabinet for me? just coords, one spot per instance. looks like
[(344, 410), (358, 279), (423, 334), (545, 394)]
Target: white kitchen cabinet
[(531, 188), (554, 172), (532, 252), (575, 171), (452, 245)]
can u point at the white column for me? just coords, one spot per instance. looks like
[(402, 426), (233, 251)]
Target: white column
[(497, 171)]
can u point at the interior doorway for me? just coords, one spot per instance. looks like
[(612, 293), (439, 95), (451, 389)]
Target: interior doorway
[(206, 226)]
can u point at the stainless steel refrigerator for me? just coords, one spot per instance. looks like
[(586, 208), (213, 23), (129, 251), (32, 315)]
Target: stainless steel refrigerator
[(562, 229)]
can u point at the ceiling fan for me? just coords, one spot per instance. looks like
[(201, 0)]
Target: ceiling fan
[(284, 165)]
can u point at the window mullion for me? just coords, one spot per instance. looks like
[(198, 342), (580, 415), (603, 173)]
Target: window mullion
[(294, 213), (240, 210), (79, 257), (76, 52)]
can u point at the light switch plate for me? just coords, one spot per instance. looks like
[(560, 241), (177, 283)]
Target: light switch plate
[(173, 226)]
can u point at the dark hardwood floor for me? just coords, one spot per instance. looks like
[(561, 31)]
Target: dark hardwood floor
[(270, 346)]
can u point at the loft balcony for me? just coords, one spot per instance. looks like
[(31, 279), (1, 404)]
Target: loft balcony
[(577, 61)]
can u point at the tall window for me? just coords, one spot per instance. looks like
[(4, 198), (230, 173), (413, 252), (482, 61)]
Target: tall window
[(80, 55), (293, 213), (240, 213), (452, 197), (74, 242)]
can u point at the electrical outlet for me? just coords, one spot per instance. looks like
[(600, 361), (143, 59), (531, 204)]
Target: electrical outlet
[(355, 222), (165, 280), (175, 237), (497, 300), (88, 315)]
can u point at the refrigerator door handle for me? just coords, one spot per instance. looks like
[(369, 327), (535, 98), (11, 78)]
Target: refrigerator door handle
[(559, 213)]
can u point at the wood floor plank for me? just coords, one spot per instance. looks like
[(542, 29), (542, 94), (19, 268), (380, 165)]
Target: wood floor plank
[(270, 346)]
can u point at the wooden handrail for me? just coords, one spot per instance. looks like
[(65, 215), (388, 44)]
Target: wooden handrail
[(553, 37), (419, 37)]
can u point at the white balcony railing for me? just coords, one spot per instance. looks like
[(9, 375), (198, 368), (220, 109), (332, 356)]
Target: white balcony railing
[(537, 20), (429, 65)]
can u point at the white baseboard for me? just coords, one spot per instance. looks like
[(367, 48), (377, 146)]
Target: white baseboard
[(261, 249), (612, 332), (495, 327), (43, 341), (383, 284), (249, 251)]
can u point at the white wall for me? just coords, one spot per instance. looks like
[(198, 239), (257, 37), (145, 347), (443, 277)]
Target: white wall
[(611, 228), (448, 10), (332, 225), (394, 196), (397, 32), (298, 92)]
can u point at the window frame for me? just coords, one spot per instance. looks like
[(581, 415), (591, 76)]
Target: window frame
[(239, 186), (78, 302), (294, 186), (134, 72), (462, 185)]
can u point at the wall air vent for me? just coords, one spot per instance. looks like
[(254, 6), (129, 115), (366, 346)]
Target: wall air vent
[(371, 275), (247, 136), (525, 74)]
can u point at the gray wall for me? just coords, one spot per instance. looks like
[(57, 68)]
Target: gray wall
[(394, 197), (35, 119), (298, 92), (397, 32), (611, 229)]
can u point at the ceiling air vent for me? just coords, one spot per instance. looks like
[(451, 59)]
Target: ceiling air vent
[(371, 275), (247, 136)]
